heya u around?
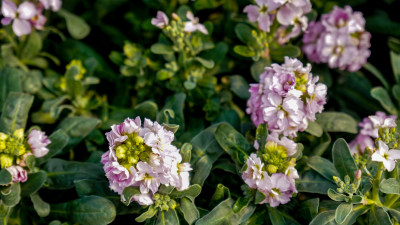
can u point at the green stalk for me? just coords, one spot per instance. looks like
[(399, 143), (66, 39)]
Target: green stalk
[(375, 187), (392, 200)]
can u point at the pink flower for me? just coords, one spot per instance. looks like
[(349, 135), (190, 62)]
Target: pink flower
[(161, 20), (360, 143), (118, 175), (290, 145), (278, 190), (388, 157), (260, 13), (146, 176), (370, 125), (20, 16), (38, 142), (18, 174), (54, 5), (254, 173), (193, 24)]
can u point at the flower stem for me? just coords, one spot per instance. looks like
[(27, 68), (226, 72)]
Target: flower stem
[(392, 200), (375, 187)]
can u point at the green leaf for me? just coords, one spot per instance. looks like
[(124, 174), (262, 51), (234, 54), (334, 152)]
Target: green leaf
[(260, 196), (390, 186), (167, 217), (240, 204), (244, 33), (279, 54), (343, 160), (232, 141), (90, 210), (192, 192), (239, 86), (58, 141), (189, 210), (336, 196), (128, 193), (380, 94), (209, 64), (395, 214), (394, 45), (10, 81), (312, 182), (323, 167), (77, 27), (395, 60), (309, 209), (324, 142), (337, 122), (314, 129), (5, 177), (34, 183), (62, 174), (161, 49), (11, 195), (224, 214), (30, 162), (396, 92), (15, 112), (147, 109), (257, 68), (221, 193), (342, 212), (33, 45), (324, 218), (244, 50), (77, 128), (176, 104), (202, 170), (151, 211), (186, 152), (261, 136), (278, 217), (41, 207), (372, 69), (378, 216)]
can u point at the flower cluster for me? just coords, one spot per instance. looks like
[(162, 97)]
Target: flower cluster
[(161, 21), (27, 14), (287, 98), (271, 170), (14, 149), (339, 39), (370, 131), (143, 156), (289, 14)]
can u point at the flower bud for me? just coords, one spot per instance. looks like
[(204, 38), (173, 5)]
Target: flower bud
[(172, 204), (3, 136), (6, 160), (19, 133), (358, 174), (347, 179), (272, 169), (164, 207), (2, 145)]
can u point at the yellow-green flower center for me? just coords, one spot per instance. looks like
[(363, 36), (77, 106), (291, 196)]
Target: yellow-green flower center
[(274, 157), (11, 146), (164, 202), (132, 151)]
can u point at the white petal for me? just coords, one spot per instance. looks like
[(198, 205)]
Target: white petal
[(378, 158), (389, 164), (394, 154)]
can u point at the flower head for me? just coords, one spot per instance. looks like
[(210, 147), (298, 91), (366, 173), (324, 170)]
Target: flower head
[(278, 189), (19, 15), (388, 157), (161, 20), (54, 5), (38, 142), (18, 174), (193, 24), (370, 125), (360, 143)]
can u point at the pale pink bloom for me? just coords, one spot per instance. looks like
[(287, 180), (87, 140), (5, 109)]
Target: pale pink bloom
[(254, 173), (38, 142), (292, 175), (388, 157), (261, 13), (118, 176), (290, 145), (143, 199), (20, 16), (18, 174), (193, 24), (316, 99), (161, 20), (278, 190), (147, 177), (370, 125), (360, 143), (181, 176), (54, 5)]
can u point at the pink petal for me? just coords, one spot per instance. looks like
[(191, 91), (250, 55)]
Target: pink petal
[(264, 21), (6, 20), (21, 27), (252, 12), (26, 10), (8, 9)]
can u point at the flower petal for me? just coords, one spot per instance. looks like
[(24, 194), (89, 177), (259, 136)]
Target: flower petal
[(21, 27), (394, 154)]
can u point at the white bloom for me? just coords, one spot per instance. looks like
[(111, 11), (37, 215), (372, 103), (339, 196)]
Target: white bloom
[(388, 157)]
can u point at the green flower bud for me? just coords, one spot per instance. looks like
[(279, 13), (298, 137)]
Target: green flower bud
[(120, 152), (272, 169), (172, 204), (156, 196), (167, 198), (6, 160), (2, 145), (347, 179), (164, 207), (19, 134), (3, 136)]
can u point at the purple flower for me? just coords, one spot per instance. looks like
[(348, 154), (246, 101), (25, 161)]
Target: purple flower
[(339, 39), (260, 13), (278, 189), (254, 173), (38, 142), (54, 5), (146, 176), (118, 175), (360, 143), (18, 174), (370, 125), (290, 145), (20, 16), (286, 98), (161, 20), (193, 24)]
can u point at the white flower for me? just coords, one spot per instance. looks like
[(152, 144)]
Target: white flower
[(388, 157), (193, 24)]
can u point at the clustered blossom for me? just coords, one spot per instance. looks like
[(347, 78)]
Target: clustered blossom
[(289, 14), (369, 131), (14, 149), (287, 98), (27, 14), (386, 156), (339, 39), (161, 21), (272, 172), (143, 157)]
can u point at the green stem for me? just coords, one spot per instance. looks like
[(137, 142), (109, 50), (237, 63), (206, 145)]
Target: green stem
[(162, 217), (375, 187), (392, 200)]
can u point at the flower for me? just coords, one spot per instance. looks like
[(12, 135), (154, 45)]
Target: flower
[(54, 5), (278, 189), (388, 157), (161, 20), (193, 24), (20, 16), (141, 155), (287, 98), (290, 145), (38, 142), (260, 13), (254, 173), (360, 143), (18, 174), (371, 124), (339, 39)]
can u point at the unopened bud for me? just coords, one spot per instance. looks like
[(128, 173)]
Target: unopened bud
[(347, 179), (164, 207), (19, 134), (272, 169), (358, 174), (172, 204), (3, 136), (175, 16), (6, 160)]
